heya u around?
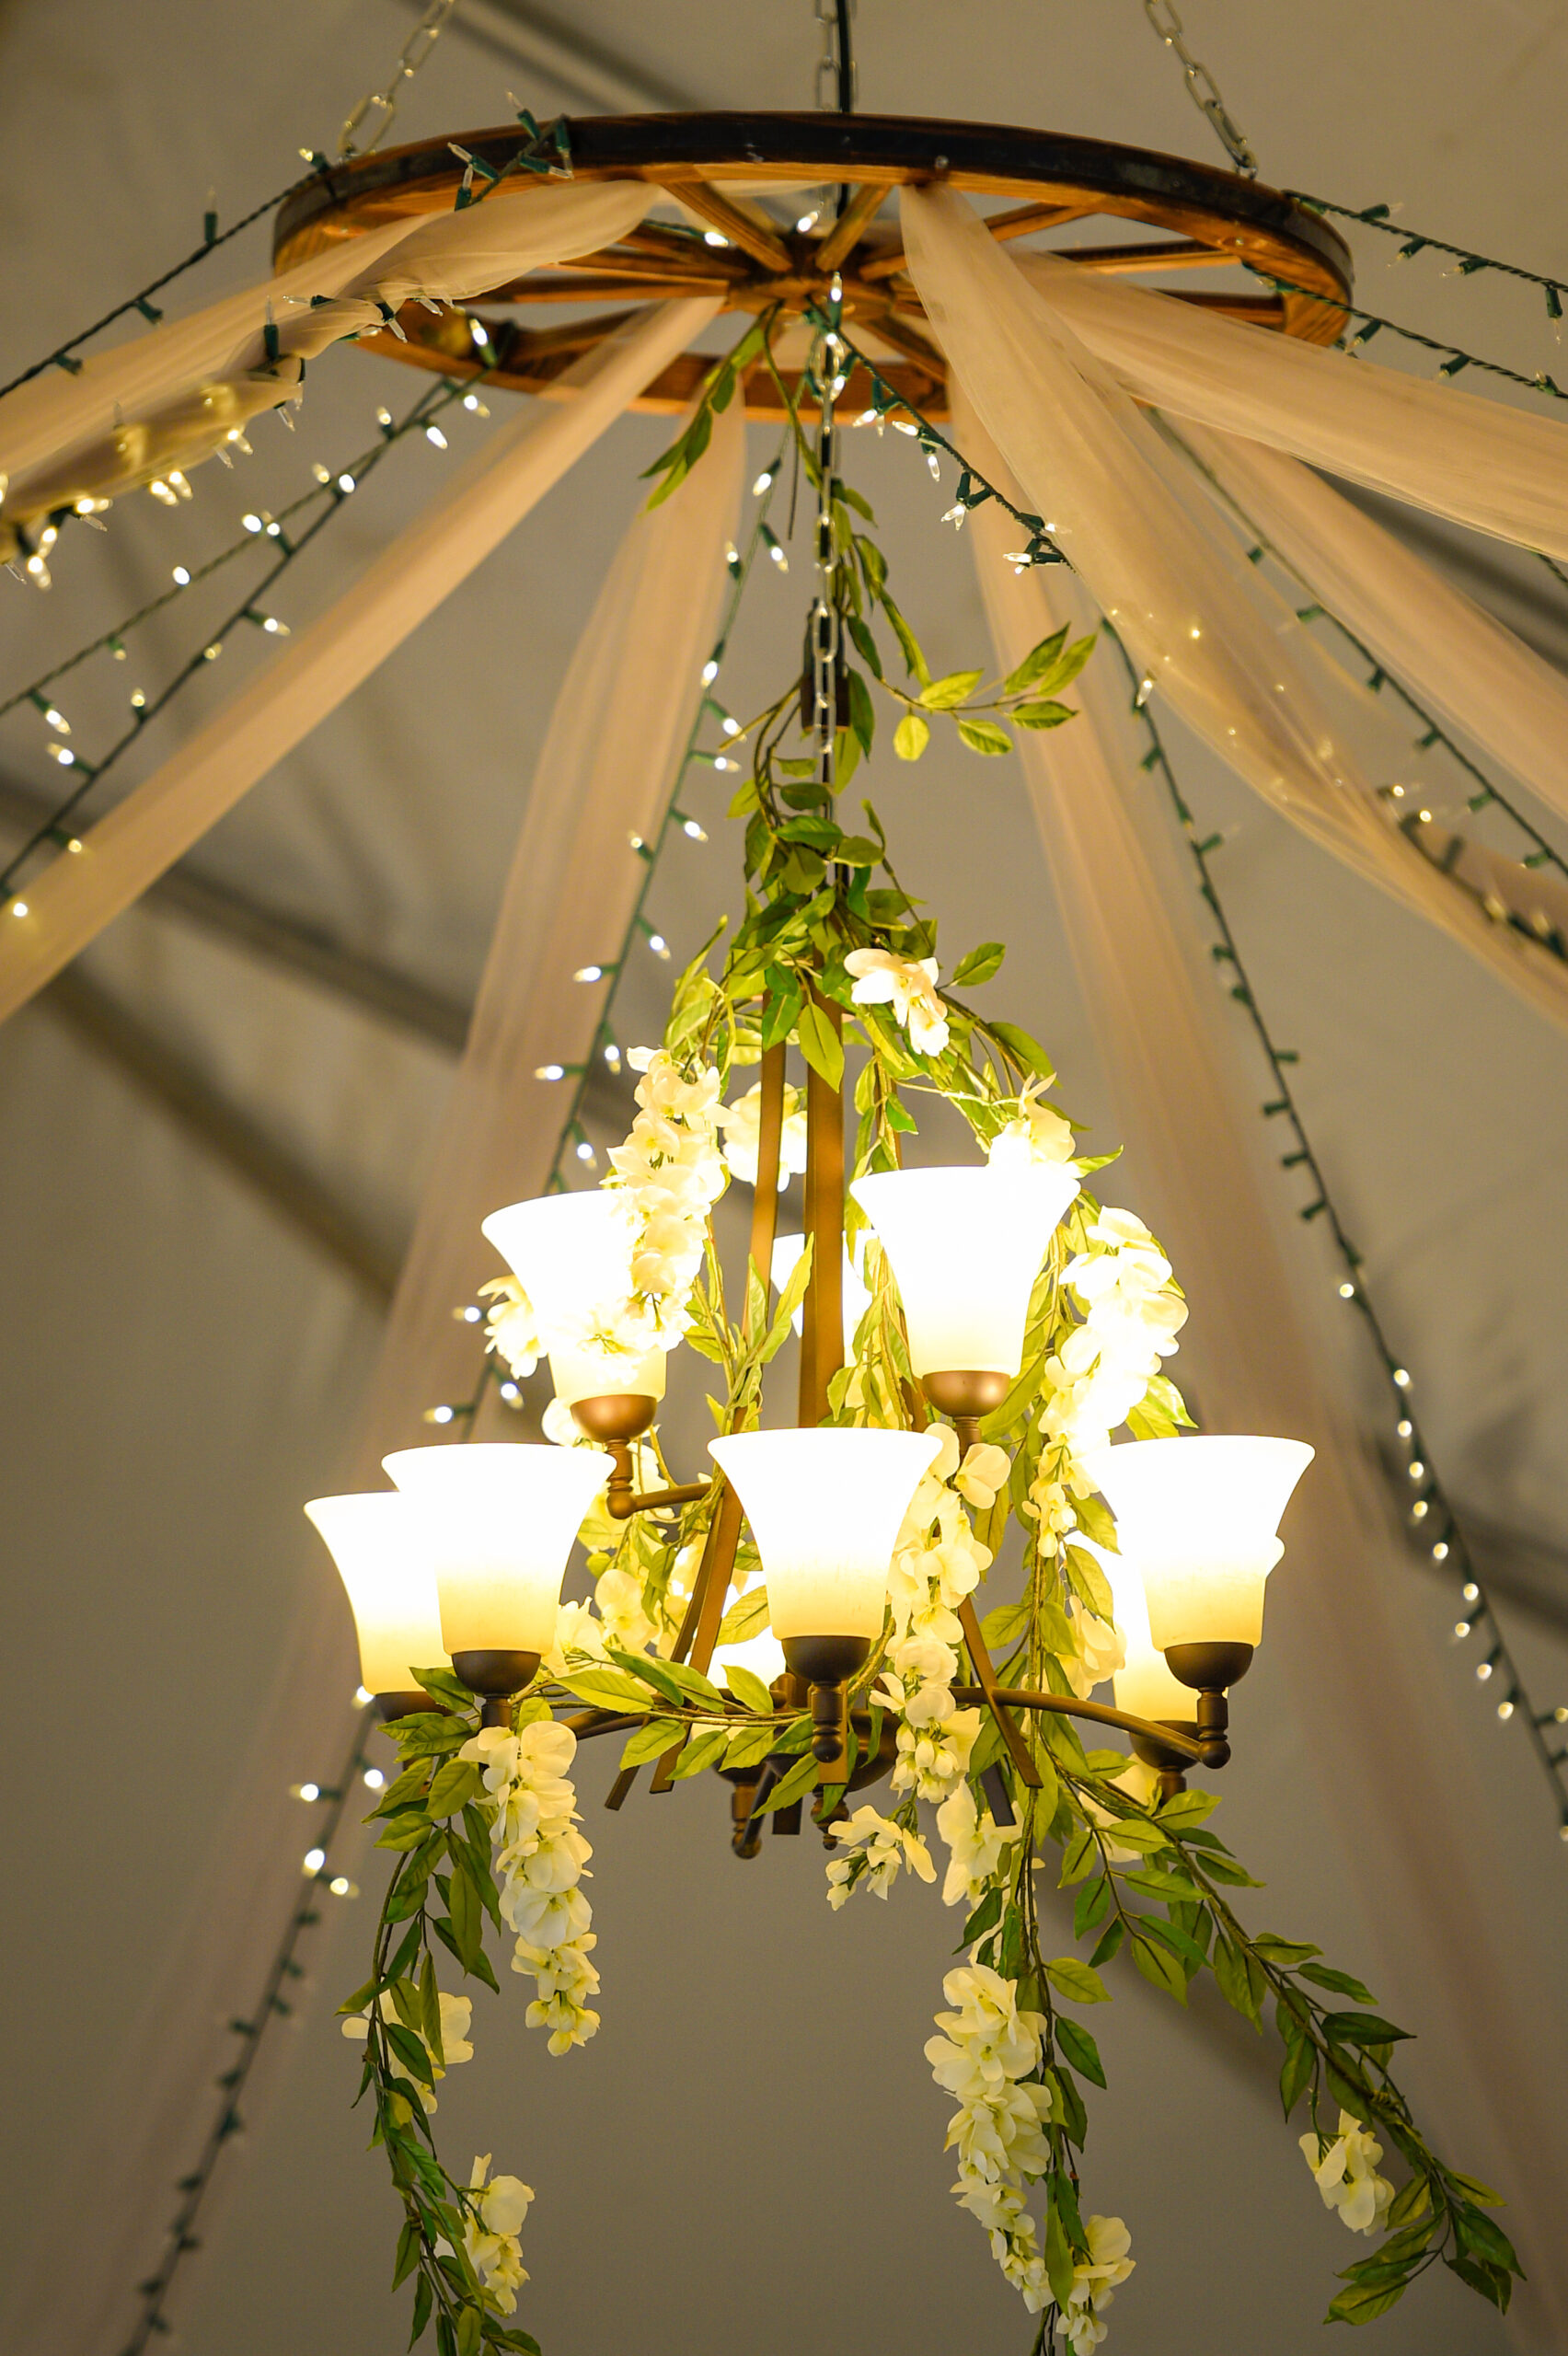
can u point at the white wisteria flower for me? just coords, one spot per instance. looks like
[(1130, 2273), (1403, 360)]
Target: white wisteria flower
[(1345, 2168), (742, 1125), (1094, 2279), (1037, 1133), (909, 985), (540, 1860), (457, 2014), (490, 2233), (987, 2058), (511, 1327), (882, 1848), (983, 1475), (975, 1842)]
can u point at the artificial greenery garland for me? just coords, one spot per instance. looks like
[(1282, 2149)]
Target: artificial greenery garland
[(484, 1819)]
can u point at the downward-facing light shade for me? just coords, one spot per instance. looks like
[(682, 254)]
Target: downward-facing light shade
[(1197, 1517), (1144, 1683), (572, 1254), (786, 1253), (385, 1565), (499, 1519), (966, 1246), (825, 1508)]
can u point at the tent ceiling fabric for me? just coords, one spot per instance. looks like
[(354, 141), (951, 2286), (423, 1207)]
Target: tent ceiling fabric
[(185, 1364)]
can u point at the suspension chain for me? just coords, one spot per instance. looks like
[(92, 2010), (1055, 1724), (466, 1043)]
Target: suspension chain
[(415, 51), (838, 76), (1202, 87)]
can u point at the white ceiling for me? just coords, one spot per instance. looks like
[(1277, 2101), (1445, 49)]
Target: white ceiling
[(751, 2148)]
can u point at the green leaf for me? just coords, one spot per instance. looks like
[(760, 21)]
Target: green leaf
[(863, 714), (408, 2255), (1081, 2050), (1365, 2301), (607, 1689), (984, 736), (693, 1685), (1286, 1953), (1058, 2258), (1478, 2237), (1159, 1967), (405, 1831), (1080, 1857), (911, 736), (1038, 661), (1042, 715), (1473, 2190), (1032, 1057), (1234, 1980), (1133, 1833), (748, 1689), (1184, 1809), (1165, 1886), (411, 2052), (469, 2333), (820, 1043), (750, 1747), (1489, 2280), (914, 660), (1089, 1583), (653, 1741), (865, 643), (747, 1616), (1092, 1907), (445, 1686), (423, 2300), (1412, 2201), (1111, 1939), (941, 695), (456, 1782), (800, 1778), (858, 850), (1340, 1981), (1362, 2028), (987, 1915), (467, 1918), (1079, 1983), (980, 964), (704, 1749), (1300, 2064)]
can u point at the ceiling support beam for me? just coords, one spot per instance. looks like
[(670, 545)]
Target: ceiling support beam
[(225, 1134)]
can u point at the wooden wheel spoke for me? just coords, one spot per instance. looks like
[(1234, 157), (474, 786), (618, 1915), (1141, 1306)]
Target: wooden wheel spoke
[(1181, 253), (744, 227), (591, 288), (893, 328), (845, 233), (1023, 221)]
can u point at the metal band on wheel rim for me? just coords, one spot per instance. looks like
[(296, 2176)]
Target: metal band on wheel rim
[(1212, 220)]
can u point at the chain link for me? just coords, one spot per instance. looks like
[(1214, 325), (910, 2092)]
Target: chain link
[(1202, 87), (415, 51), (829, 80)]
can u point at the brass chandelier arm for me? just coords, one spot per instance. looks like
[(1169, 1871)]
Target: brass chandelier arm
[(1067, 1705), (1018, 1750)]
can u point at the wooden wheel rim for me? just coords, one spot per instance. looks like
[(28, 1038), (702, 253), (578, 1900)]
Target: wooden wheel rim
[(1213, 219)]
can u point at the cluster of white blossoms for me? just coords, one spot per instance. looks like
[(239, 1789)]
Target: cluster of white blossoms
[(875, 1849), (1134, 1311), (456, 2012), (987, 2057), (936, 1561), (1345, 2167), (742, 1125), (909, 985), (490, 2233), (671, 1172), (1037, 1133), (540, 1858)]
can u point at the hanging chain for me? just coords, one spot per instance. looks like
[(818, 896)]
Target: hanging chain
[(416, 49), (838, 78), (1202, 87), (827, 362)]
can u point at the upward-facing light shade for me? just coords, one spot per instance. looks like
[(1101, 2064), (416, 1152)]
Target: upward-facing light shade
[(1144, 1684), (572, 1254), (966, 1246), (1197, 1518), (824, 1507), (386, 1566), (499, 1519)]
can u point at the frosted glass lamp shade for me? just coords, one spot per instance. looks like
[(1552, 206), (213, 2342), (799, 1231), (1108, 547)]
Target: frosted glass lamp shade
[(1144, 1683), (571, 1255), (497, 1520), (787, 1250), (385, 1568), (1197, 1517), (966, 1246), (825, 1508)]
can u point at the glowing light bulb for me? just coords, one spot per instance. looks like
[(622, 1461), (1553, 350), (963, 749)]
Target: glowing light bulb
[(695, 833), (310, 1790), (57, 720), (589, 974), (709, 671), (659, 945), (181, 576), (763, 482), (374, 1779), (18, 908), (549, 1071), (434, 436), (714, 238), (313, 1860)]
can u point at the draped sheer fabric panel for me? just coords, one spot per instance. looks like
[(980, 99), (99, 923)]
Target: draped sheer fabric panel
[(1488, 686), (1187, 606), (609, 767), (75, 897), (606, 772), (1389, 1753), (168, 397), (1497, 469)]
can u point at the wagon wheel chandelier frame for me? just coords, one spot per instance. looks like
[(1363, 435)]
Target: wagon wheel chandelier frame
[(711, 164)]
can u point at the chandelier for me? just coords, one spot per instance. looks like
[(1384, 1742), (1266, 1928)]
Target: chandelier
[(982, 1346)]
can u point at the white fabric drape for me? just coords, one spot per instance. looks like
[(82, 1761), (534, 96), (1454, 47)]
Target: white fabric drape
[(607, 768), (606, 771), (74, 898), (1485, 682), (167, 397), (1341, 1629), (1189, 608), (1498, 469)]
